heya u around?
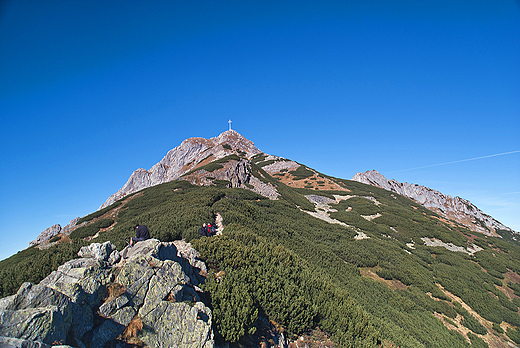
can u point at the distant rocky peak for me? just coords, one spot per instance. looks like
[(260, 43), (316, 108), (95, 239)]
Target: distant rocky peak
[(454, 208), (46, 235), (374, 178)]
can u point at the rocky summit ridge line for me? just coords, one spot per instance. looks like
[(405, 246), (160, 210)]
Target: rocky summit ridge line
[(452, 208), (190, 154), (193, 153), (229, 157)]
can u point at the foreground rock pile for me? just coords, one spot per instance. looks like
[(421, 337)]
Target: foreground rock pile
[(147, 293)]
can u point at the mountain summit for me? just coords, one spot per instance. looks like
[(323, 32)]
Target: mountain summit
[(189, 155), (228, 156)]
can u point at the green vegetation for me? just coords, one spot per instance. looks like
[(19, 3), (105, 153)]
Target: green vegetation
[(275, 259), (265, 163), (514, 334), (497, 328), (91, 229), (301, 173), (32, 265), (257, 271), (515, 287), (54, 239), (476, 341), (471, 323), (227, 147), (451, 322), (99, 212), (258, 158)]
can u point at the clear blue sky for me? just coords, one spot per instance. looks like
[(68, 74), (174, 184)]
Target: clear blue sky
[(92, 90)]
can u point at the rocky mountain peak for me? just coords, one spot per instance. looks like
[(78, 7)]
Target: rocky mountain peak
[(236, 140), (453, 208), (189, 155), (374, 178), (52, 231)]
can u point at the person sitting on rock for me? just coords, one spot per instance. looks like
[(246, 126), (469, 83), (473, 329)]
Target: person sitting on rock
[(202, 230), (141, 233)]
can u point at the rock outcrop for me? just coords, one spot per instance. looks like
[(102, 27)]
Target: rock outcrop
[(47, 234), (453, 208), (148, 292), (54, 230), (190, 154), (71, 225)]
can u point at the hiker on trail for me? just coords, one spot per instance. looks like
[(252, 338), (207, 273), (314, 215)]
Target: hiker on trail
[(141, 233), (203, 230), (211, 230)]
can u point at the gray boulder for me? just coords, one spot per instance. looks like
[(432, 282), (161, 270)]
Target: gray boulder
[(82, 280), (152, 283), (97, 251), (36, 313), (178, 251), (114, 257), (182, 325)]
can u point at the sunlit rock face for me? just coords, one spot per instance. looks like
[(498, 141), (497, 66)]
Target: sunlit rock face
[(190, 154), (452, 208)]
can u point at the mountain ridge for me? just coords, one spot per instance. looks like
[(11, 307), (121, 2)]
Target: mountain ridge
[(368, 266), (452, 208), (196, 152), (231, 156)]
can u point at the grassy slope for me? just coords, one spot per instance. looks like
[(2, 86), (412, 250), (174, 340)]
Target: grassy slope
[(304, 272)]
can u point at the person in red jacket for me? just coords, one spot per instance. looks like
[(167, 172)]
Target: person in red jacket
[(211, 230)]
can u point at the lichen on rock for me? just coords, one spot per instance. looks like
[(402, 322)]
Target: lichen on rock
[(156, 284)]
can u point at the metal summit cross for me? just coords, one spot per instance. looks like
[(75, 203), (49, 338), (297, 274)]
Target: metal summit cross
[(229, 124)]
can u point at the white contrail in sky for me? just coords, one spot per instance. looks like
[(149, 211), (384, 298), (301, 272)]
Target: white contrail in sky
[(464, 160)]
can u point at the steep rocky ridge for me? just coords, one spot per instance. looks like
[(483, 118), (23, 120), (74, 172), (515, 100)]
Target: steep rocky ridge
[(46, 234), (452, 208), (229, 157), (189, 155), (188, 161)]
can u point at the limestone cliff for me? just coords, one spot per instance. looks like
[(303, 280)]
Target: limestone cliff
[(189, 155), (453, 208)]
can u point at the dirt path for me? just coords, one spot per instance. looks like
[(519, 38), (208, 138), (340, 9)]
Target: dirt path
[(492, 339)]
